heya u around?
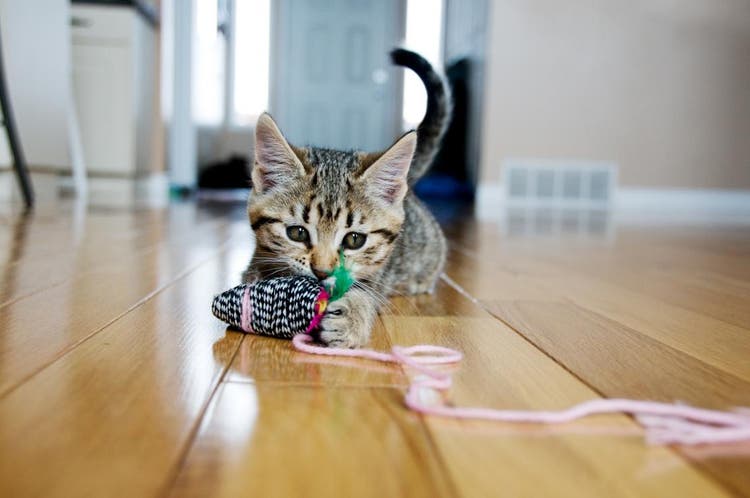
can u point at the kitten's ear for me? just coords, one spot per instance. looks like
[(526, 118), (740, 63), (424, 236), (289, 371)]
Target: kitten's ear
[(276, 163), (385, 179)]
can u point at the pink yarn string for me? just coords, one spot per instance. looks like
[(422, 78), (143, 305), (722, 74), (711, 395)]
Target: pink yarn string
[(247, 311), (664, 423)]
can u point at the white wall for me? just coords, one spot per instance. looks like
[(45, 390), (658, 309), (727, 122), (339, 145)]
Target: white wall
[(662, 87), (36, 50)]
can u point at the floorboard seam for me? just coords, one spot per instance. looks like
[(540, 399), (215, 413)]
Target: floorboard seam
[(624, 288), (73, 276), (33, 293), (423, 424), (439, 455), (72, 347), (694, 465), (193, 433), (464, 293)]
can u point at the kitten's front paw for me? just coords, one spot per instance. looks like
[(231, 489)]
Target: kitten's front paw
[(345, 324)]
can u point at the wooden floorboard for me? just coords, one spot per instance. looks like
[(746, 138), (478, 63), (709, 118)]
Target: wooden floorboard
[(37, 237), (533, 278), (719, 290), (261, 359), (38, 329), (115, 380), (503, 370), (282, 440), (101, 247), (112, 417), (609, 315), (479, 459)]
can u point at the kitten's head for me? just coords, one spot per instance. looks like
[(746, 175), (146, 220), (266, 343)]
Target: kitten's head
[(310, 204)]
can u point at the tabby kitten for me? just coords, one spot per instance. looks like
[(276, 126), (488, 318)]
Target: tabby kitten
[(309, 204)]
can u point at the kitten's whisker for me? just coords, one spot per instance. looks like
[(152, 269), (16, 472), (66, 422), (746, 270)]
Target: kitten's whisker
[(376, 296), (369, 290), (394, 307), (383, 298), (264, 259), (279, 271), (408, 300)]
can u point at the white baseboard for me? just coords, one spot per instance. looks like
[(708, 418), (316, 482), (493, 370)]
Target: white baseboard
[(683, 206), (151, 190), (706, 200), (44, 186)]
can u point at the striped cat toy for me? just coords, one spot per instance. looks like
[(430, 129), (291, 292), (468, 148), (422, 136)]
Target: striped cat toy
[(281, 307)]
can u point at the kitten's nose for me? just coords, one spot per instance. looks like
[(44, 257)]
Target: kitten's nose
[(321, 274)]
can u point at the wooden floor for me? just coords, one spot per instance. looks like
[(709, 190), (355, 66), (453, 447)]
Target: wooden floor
[(115, 380)]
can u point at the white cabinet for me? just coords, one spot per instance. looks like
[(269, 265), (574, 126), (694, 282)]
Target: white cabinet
[(114, 81), (36, 55)]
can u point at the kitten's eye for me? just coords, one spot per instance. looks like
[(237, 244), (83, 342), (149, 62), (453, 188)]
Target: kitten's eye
[(297, 233), (353, 240)]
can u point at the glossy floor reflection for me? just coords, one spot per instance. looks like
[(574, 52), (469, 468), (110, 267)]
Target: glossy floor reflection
[(115, 380)]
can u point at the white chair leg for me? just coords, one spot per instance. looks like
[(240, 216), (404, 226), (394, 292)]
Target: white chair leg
[(76, 151)]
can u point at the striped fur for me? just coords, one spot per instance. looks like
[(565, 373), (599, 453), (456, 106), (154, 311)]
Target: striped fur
[(437, 117)]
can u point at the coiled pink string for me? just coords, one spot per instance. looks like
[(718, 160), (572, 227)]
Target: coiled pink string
[(665, 423)]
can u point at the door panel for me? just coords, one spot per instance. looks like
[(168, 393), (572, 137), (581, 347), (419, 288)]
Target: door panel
[(333, 82)]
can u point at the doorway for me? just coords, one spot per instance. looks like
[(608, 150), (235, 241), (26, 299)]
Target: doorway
[(334, 83)]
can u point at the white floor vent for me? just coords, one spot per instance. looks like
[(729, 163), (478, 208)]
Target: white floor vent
[(575, 183)]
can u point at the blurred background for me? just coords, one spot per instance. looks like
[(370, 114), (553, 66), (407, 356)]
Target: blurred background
[(644, 105)]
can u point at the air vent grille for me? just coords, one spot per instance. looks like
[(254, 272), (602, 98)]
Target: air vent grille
[(580, 183)]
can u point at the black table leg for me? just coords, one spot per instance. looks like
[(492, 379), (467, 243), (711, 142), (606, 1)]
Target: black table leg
[(19, 162)]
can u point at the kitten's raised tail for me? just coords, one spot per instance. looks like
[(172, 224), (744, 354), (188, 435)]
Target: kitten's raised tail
[(432, 128)]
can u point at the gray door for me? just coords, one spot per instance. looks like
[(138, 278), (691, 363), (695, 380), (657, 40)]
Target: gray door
[(333, 84)]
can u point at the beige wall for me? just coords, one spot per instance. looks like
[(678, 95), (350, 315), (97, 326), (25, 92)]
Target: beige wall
[(662, 87)]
